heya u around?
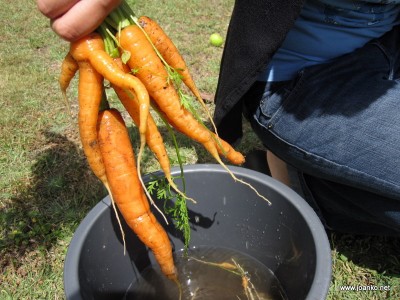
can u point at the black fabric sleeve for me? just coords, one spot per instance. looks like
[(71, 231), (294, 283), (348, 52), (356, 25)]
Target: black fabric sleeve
[(257, 28)]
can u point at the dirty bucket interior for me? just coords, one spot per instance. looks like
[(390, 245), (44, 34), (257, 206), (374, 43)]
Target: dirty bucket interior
[(286, 237)]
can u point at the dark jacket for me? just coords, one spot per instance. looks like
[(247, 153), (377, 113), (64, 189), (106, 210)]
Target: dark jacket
[(257, 28)]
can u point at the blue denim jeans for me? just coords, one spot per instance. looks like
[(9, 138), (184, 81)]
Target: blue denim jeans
[(338, 124)]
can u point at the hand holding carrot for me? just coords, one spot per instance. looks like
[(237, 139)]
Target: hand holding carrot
[(73, 19)]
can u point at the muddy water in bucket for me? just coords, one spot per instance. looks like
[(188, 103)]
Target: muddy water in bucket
[(211, 273), (228, 220)]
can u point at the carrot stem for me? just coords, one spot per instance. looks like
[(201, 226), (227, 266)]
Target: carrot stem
[(109, 43), (118, 16)]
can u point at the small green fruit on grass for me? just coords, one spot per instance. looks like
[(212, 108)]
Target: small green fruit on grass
[(216, 40)]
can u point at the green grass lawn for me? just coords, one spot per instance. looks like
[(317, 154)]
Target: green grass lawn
[(46, 188)]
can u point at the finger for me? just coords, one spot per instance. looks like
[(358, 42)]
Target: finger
[(84, 17), (53, 9)]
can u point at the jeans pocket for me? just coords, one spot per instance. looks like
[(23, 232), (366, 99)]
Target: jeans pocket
[(389, 46), (275, 98), (271, 102)]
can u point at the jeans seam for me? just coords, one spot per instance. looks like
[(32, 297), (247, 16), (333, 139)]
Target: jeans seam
[(388, 57), (309, 196), (293, 92)]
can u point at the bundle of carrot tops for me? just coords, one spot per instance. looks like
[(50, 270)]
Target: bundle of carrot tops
[(146, 71)]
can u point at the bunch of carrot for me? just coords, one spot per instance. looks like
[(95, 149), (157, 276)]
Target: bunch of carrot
[(145, 70)]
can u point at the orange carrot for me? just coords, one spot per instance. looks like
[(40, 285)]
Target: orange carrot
[(227, 150), (128, 194), (172, 57), (151, 71), (91, 48), (153, 136), (223, 147), (168, 51), (90, 91), (149, 68), (69, 67)]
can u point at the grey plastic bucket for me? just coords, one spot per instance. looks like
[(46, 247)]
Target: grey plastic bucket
[(227, 214)]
